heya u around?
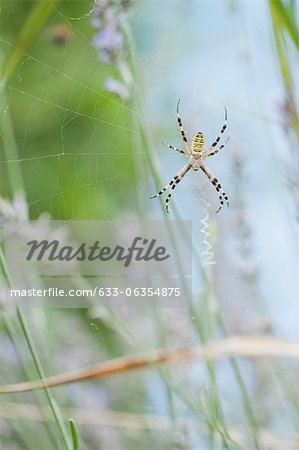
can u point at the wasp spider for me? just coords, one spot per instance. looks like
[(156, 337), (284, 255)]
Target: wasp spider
[(196, 156)]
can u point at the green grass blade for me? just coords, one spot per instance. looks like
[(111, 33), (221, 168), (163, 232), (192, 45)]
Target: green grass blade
[(52, 403), (74, 434), (287, 18), (10, 150), (35, 20)]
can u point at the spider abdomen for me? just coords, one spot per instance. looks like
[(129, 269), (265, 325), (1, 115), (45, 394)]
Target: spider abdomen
[(198, 142)]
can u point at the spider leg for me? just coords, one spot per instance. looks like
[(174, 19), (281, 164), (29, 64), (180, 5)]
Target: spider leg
[(166, 187), (175, 181), (207, 155), (217, 185), (162, 190), (221, 132), (176, 148), (181, 128)]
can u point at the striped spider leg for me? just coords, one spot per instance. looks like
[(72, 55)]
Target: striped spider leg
[(207, 155), (173, 184), (182, 128), (196, 157), (217, 185), (177, 149), (219, 135), (208, 172)]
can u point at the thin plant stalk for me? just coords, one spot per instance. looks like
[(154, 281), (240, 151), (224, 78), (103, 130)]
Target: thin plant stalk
[(52, 403), (37, 17), (74, 434)]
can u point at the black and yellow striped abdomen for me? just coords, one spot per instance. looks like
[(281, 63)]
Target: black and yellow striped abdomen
[(198, 142)]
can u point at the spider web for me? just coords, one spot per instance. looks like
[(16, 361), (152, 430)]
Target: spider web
[(74, 140), (79, 150)]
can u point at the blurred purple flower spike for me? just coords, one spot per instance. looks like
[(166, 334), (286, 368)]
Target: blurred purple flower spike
[(116, 87), (109, 41)]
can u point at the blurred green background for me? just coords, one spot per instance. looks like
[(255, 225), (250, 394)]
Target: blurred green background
[(88, 92), (70, 134)]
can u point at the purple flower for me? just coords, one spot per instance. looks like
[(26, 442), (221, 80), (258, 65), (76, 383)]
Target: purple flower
[(109, 40), (118, 88)]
